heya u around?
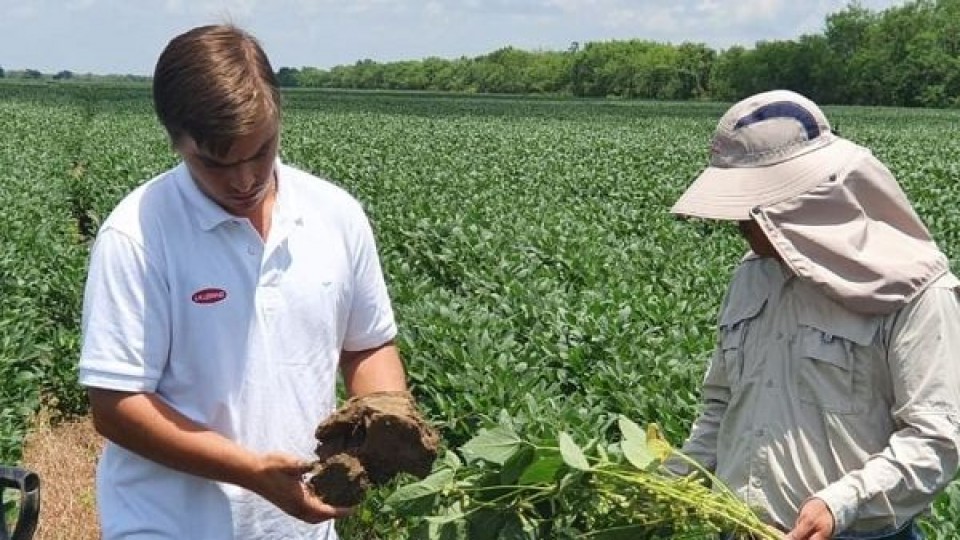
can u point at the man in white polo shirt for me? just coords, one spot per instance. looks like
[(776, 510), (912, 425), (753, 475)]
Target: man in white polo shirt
[(223, 296)]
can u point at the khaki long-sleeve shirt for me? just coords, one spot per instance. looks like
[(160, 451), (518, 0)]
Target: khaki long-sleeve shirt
[(804, 398)]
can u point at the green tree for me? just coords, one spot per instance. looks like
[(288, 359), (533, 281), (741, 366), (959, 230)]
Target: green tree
[(904, 55), (881, 70), (728, 76), (310, 77), (694, 63), (288, 77)]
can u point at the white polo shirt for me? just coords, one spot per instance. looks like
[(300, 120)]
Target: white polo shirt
[(186, 301)]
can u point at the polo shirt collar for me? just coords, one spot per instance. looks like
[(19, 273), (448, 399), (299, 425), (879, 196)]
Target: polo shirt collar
[(208, 215)]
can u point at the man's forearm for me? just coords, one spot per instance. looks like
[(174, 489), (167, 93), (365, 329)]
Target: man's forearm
[(142, 423), (373, 370), (902, 479)]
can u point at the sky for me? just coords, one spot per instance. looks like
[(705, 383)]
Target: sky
[(126, 36)]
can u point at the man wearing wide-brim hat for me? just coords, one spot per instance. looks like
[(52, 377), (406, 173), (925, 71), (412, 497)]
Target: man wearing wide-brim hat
[(832, 401)]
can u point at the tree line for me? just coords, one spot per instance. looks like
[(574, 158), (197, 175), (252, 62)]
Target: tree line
[(907, 55), (67, 75)]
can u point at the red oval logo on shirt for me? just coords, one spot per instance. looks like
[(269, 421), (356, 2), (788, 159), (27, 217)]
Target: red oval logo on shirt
[(208, 296)]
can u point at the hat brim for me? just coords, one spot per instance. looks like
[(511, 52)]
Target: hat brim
[(730, 193)]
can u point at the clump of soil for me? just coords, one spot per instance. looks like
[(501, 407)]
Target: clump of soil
[(340, 480), (369, 440)]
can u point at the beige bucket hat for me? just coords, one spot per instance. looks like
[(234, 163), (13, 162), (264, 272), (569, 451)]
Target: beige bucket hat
[(835, 214), (766, 149)]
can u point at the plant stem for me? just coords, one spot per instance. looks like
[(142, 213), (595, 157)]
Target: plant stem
[(713, 504)]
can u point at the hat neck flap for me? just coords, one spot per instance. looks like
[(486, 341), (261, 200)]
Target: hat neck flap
[(857, 238)]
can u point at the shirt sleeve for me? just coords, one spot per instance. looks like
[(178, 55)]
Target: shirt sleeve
[(126, 317), (701, 446), (745, 296), (923, 345), (370, 322)]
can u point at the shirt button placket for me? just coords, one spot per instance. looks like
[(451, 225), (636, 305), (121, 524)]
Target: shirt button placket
[(757, 465), (270, 297)]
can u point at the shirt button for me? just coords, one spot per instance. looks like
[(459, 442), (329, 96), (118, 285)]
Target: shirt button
[(251, 250)]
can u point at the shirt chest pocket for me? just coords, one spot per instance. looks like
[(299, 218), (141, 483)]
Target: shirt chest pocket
[(735, 325), (833, 368)]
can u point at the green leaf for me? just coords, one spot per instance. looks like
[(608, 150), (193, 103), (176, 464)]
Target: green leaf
[(515, 529), (495, 445), (516, 465), (629, 532), (505, 420), (451, 515), (630, 430), (447, 530), (413, 507), (634, 444), (452, 460), (571, 453), (420, 532), (450, 525), (414, 499), (543, 470), (486, 524)]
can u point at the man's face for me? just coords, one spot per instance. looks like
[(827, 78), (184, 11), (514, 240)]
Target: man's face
[(758, 241), (244, 178)]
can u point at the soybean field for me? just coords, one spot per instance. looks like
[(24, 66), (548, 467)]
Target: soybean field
[(537, 276)]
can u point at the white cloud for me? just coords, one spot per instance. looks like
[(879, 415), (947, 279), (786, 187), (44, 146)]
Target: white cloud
[(217, 9), (21, 10), (173, 6), (79, 5), (434, 8), (381, 7)]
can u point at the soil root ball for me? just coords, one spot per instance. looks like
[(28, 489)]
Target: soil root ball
[(339, 481), (384, 431)]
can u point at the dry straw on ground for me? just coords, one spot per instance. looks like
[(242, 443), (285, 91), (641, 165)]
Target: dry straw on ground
[(64, 454)]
